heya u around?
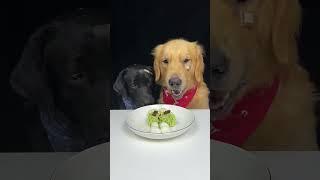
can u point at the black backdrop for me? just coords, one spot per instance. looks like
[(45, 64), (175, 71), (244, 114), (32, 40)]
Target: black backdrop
[(136, 28), (309, 40), (309, 48), (20, 128), (15, 121)]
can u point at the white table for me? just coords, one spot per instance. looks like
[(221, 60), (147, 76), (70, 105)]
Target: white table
[(34, 166), (30, 166), (292, 165), (186, 157), (91, 164), (129, 157)]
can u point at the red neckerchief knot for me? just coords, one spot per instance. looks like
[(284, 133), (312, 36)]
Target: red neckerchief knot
[(183, 101), (245, 117)]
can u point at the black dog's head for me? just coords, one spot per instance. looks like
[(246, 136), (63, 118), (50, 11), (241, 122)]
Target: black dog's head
[(135, 85), (65, 65)]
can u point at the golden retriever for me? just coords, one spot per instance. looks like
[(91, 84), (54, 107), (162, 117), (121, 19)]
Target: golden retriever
[(179, 67), (253, 42)]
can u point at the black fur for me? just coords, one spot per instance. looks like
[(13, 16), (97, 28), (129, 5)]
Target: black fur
[(135, 85), (65, 68)]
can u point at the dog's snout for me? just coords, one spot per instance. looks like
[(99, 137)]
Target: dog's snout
[(175, 81), (220, 65)]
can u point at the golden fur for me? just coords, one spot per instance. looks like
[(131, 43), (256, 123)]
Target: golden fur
[(269, 48), (191, 73)]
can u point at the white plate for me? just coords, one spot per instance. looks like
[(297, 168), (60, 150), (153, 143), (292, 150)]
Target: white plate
[(232, 163), (137, 121)]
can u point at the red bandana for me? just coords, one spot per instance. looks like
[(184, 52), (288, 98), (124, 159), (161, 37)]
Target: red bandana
[(245, 117), (183, 101)]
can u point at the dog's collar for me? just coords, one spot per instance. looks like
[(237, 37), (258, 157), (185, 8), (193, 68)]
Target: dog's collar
[(247, 14), (62, 134), (184, 101), (246, 116), (128, 103)]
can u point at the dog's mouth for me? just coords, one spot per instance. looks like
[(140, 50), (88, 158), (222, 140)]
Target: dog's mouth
[(176, 93), (222, 101), (219, 99)]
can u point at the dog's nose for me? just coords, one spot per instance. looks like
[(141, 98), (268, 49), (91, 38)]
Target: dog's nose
[(219, 64), (175, 81)]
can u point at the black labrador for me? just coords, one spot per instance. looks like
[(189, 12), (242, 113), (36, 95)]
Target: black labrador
[(64, 71), (136, 87)]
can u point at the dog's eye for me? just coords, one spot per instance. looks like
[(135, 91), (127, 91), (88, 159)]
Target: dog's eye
[(133, 84), (186, 61), (77, 76), (165, 61), (218, 70)]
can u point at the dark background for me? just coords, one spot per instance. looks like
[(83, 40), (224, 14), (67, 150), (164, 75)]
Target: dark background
[(309, 40), (18, 122), (20, 128), (309, 48), (136, 28)]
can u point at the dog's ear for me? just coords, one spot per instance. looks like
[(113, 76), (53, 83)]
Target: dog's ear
[(119, 85), (149, 70), (29, 77), (156, 66), (285, 28), (199, 64)]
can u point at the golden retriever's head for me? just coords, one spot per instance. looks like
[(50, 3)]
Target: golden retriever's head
[(178, 65), (251, 40)]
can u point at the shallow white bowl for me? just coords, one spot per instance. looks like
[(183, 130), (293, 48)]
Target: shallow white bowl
[(137, 121)]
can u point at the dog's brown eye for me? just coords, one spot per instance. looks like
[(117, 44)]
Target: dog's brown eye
[(186, 61), (165, 61)]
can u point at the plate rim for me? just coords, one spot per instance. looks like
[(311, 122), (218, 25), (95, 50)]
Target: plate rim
[(171, 132), (176, 131)]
